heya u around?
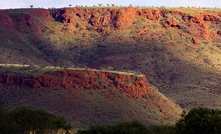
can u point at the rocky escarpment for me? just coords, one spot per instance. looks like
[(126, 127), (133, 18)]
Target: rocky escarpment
[(132, 85), (46, 29), (87, 97), (103, 20)]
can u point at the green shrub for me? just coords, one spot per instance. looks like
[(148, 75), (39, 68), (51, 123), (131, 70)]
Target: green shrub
[(23, 120), (96, 129), (131, 127), (160, 129), (3, 118), (199, 121)]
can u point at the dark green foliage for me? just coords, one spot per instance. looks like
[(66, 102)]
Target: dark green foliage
[(160, 129), (196, 121), (3, 118), (96, 129), (25, 119), (199, 121), (131, 127)]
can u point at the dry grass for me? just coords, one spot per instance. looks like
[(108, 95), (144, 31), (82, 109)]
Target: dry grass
[(35, 70), (87, 107)]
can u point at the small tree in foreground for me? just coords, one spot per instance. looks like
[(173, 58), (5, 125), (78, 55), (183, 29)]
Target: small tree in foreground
[(199, 121), (23, 120)]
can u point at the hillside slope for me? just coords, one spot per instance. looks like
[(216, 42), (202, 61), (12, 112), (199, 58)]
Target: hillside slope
[(178, 49), (87, 97)]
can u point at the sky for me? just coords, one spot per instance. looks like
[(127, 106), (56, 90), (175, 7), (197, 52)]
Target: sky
[(7, 4)]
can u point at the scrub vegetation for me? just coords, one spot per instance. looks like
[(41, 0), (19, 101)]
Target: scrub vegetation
[(199, 120), (24, 120)]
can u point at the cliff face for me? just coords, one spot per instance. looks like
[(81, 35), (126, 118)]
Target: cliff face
[(131, 85), (107, 19), (103, 20)]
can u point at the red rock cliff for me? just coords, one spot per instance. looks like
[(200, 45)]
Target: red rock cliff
[(102, 20), (106, 19), (82, 79)]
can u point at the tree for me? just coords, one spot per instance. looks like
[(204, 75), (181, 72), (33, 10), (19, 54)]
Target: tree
[(31, 6), (70, 5), (26, 119), (99, 4), (199, 121)]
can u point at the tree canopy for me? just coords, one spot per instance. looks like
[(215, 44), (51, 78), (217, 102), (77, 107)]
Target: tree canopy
[(199, 121), (26, 119)]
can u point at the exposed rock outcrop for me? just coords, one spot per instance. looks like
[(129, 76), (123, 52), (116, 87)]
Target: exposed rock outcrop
[(132, 85), (103, 20), (171, 23), (152, 14)]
